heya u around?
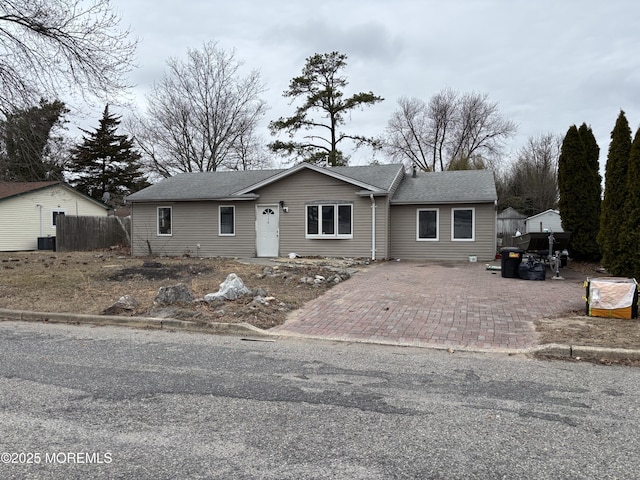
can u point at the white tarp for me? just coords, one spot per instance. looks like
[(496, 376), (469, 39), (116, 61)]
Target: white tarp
[(611, 293)]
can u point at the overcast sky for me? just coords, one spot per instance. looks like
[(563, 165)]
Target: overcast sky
[(548, 63)]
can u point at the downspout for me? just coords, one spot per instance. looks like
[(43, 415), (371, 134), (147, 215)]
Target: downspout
[(40, 207), (495, 235), (373, 227)]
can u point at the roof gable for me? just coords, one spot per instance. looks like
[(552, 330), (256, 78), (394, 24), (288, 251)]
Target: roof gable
[(548, 212), (511, 213), (375, 178)]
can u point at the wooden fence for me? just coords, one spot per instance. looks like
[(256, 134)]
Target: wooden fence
[(77, 233), (507, 228)]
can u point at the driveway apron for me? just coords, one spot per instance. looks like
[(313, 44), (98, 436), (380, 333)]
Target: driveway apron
[(459, 305)]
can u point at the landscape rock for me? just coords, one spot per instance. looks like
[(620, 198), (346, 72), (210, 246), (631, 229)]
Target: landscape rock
[(259, 292), (174, 294), (125, 305), (259, 299), (232, 288)]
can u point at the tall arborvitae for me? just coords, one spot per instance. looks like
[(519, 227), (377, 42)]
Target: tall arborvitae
[(106, 162), (593, 196), (571, 150), (615, 193), (579, 202), (630, 227)]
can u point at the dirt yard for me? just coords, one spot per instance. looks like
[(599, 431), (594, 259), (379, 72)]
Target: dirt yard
[(91, 282), (577, 328)]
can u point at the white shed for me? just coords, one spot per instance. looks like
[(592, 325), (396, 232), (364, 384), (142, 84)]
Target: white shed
[(29, 210), (548, 220)]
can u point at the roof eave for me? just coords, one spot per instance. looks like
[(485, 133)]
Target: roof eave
[(439, 202), (232, 198), (377, 193)]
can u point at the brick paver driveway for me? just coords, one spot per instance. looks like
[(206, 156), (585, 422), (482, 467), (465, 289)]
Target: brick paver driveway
[(462, 305)]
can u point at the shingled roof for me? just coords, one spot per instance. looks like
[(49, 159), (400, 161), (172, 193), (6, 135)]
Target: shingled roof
[(240, 184), (14, 189), (460, 186), (11, 189), (464, 186)]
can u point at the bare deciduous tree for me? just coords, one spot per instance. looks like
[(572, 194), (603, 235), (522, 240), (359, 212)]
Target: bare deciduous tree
[(407, 138), (452, 131), (530, 184), (47, 46), (202, 115), (443, 115)]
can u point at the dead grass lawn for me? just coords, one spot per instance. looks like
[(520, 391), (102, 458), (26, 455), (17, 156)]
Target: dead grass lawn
[(89, 282)]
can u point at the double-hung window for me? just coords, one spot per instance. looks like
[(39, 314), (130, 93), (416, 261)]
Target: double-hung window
[(463, 224), (164, 221), (227, 222), (427, 223), (329, 220)]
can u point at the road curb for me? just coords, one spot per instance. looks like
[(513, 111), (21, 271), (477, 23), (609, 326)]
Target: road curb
[(586, 352), (133, 322), (549, 350)]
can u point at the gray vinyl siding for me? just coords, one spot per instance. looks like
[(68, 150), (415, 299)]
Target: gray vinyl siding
[(308, 186), (193, 223), (405, 246), (387, 209)]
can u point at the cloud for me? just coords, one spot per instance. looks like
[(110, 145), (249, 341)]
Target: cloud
[(365, 41)]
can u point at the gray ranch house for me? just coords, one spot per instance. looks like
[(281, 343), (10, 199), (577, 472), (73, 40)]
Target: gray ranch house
[(375, 211)]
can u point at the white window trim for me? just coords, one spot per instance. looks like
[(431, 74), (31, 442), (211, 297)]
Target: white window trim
[(58, 211), (158, 221), (321, 236), (437, 238), (220, 234), (473, 225)]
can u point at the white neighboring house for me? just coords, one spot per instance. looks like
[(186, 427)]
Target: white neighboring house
[(548, 220), (29, 211)]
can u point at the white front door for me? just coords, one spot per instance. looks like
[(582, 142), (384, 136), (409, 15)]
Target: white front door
[(267, 230)]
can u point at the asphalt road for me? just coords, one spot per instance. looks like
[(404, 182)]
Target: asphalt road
[(81, 402)]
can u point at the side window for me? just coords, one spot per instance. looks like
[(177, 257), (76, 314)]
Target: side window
[(227, 220), (54, 216), (463, 224), (427, 224), (164, 220)]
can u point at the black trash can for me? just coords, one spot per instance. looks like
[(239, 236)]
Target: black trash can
[(511, 259)]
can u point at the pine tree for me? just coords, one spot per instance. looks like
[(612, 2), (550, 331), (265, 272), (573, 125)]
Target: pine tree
[(28, 138), (615, 194), (630, 228), (321, 89), (106, 162), (579, 189)]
